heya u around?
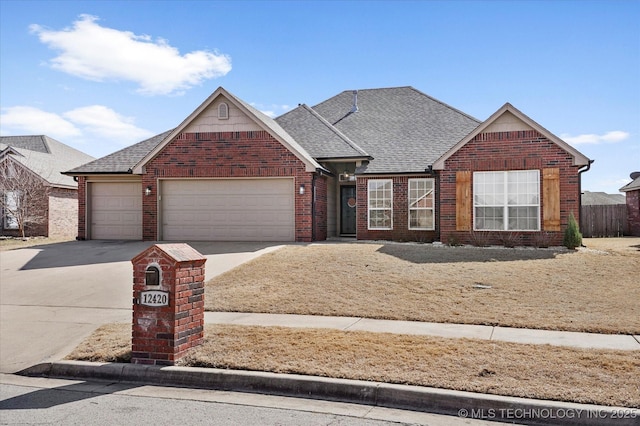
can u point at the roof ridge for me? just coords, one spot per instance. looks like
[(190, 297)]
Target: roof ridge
[(335, 130), (45, 142), (445, 104)]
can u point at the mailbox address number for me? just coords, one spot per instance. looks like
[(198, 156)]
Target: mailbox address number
[(154, 298)]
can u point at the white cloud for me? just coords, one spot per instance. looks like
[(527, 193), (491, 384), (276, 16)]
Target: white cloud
[(93, 129), (105, 122), (591, 138), (29, 120), (271, 110), (97, 53)]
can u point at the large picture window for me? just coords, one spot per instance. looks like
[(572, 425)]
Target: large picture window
[(506, 201), (421, 204), (380, 195)]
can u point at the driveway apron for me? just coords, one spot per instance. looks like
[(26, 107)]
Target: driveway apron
[(53, 296)]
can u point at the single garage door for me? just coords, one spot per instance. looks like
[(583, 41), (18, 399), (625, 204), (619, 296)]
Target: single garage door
[(228, 210), (116, 211)]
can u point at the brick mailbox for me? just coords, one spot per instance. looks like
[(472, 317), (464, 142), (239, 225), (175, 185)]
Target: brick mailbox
[(168, 303)]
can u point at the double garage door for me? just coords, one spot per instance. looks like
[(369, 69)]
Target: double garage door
[(199, 210), (227, 210)]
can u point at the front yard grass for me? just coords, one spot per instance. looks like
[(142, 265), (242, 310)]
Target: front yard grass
[(594, 289), (603, 377)]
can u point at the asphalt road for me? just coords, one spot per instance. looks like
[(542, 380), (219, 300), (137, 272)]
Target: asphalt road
[(38, 401)]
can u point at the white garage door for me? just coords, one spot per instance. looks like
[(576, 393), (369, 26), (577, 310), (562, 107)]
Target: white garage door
[(228, 210), (116, 211)]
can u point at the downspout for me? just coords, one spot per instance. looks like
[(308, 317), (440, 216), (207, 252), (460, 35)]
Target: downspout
[(580, 172)]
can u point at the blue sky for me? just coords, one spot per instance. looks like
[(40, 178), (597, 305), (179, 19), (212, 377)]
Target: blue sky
[(101, 75)]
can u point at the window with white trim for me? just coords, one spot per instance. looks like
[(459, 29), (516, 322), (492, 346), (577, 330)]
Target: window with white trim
[(11, 199), (506, 201), (421, 204), (380, 196)]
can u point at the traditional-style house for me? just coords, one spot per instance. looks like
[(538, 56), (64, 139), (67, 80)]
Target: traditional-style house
[(388, 164)]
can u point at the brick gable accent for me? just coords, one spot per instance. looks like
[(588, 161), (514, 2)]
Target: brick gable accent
[(506, 151), (254, 154)]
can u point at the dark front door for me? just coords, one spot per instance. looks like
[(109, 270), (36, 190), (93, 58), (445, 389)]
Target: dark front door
[(348, 210)]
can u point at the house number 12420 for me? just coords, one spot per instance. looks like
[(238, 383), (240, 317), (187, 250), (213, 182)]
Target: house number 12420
[(154, 298)]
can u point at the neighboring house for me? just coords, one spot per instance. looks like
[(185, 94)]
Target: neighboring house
[(35, 164), (388, 164), (632, 195), (601, 199)]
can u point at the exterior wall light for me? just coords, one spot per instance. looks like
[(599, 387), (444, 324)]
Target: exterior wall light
[(301, 190), (147, 191)]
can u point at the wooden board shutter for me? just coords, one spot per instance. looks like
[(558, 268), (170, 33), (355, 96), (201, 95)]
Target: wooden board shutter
[(463, 201), (551, 199)]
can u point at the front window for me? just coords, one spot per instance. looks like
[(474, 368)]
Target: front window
[(10, 207), (506, 201), (380, 203), (421, 204)]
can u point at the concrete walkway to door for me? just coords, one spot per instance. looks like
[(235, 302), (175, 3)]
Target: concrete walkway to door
[(53, 296)]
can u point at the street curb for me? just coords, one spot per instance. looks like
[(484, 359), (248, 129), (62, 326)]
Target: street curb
[(415, 398)]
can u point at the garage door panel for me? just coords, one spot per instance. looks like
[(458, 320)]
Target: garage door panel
[(116, 211), (228, 210)]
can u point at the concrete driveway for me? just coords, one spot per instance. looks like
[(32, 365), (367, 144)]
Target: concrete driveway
[(53, 296)]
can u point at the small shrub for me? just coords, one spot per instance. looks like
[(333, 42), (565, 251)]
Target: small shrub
[(479, 238), (509, 239), (453, 241), (542, 239), (572, 235)]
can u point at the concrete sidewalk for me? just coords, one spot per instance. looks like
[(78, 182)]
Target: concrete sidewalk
[(503, 334)]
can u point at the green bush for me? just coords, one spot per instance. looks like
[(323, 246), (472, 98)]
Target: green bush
[(572, 235)]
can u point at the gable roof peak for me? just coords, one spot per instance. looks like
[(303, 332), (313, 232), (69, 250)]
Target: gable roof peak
[(579, 159), (261, 119)]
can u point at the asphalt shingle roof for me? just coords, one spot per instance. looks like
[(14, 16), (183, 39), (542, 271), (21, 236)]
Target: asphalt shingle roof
[(601, 198), (322, 140), (400, 129), (121, 161), (631, 186), (46, 157), (403, 129)]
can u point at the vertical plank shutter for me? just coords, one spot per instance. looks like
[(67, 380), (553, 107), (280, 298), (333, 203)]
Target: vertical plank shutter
[(463, 201), (551, 199)]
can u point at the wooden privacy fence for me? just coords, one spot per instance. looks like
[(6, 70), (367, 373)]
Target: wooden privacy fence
[(604, 221)]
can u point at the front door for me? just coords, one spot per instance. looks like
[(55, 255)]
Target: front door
[(348, 210)]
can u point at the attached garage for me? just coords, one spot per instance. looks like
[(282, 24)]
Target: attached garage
[(115, 210), (227, 209)]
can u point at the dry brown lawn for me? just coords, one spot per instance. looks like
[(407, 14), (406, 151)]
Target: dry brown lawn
[(596, 289), (533, 371), (18, 243)]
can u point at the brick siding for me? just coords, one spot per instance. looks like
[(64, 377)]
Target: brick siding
[(400, 230), (63, 213), (633, 211), (82, 208), (254, 154), (505, 151)]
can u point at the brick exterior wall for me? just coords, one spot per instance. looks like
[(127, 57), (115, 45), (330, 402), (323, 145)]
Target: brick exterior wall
[(254, 154), (31, 229), (505, 151), (633, 211), (400, 231), (320, 226), (63, 213), (82, 208), (163, 334)]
